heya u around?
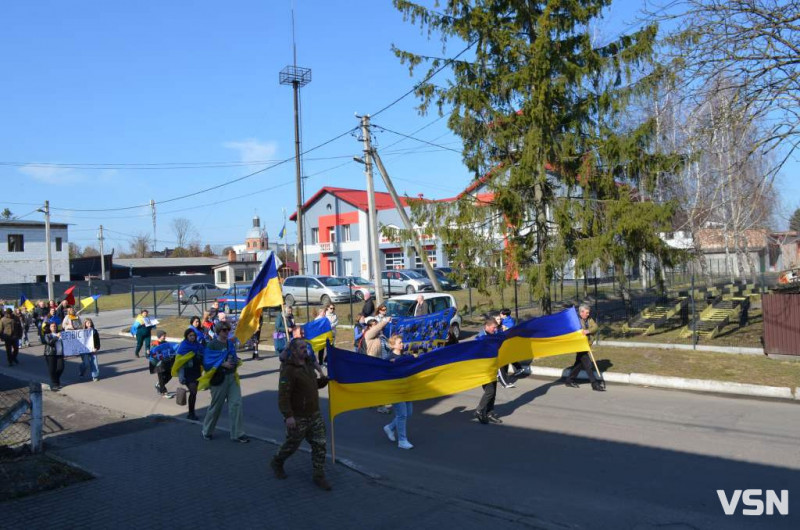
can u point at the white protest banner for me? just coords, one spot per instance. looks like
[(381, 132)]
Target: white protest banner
[(77, 342)]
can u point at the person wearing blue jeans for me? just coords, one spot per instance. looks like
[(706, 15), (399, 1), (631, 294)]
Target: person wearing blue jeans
[(89, 360), (403, 409)]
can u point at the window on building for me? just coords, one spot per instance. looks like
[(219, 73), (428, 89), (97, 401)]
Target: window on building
[(332, 267), (58, 244), (57, 278), (314, 236), (394, 260), (431, 252), (315, 267), (16, 243), (222, 277), (345, 232), (41, 278), (238, 275), (332, 234), (348, 264), (249, 275)]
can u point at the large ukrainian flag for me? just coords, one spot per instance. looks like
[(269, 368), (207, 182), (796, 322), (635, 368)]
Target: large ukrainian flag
[(265, 292), (359, 381), (544, 337)]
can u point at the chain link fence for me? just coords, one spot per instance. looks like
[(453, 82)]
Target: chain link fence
[(20, 414)]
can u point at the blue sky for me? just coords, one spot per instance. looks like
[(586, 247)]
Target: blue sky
[(195, 83)]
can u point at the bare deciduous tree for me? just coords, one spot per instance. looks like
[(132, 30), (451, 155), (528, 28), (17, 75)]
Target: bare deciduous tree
[(184, 231), (140, 245)]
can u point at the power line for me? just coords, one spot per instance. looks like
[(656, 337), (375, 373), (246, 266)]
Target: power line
[(227, 183), (417, 139)]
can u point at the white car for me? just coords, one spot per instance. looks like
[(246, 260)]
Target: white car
[(403, 306)]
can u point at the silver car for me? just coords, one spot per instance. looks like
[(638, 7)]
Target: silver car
[(315, 290), (405, 281), (197, 292)]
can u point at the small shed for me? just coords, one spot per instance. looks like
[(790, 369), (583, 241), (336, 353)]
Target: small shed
[(781, 323)]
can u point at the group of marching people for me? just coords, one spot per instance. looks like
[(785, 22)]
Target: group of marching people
[(50, 319), (206, 358)]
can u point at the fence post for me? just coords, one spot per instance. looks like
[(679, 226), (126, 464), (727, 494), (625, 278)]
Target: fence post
[(694, 322), (178, 298), (36, 416), (155, 305), (352, 322), (516, 304), (308, 315), (577, 295), (133, 301), (469, 294)]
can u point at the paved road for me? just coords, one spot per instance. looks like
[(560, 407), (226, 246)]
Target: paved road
[(564, 458)]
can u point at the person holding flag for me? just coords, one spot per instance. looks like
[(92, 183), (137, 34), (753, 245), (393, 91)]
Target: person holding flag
[(265, 292), (220, 364)]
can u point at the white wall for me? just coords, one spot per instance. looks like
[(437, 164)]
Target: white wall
[(24, 267)]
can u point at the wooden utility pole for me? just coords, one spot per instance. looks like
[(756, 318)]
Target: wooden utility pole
[(374, 269), (46, 212), (407, 222), (102, 255)]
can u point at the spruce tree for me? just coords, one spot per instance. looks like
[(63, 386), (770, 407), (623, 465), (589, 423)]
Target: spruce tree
[(541, 109)]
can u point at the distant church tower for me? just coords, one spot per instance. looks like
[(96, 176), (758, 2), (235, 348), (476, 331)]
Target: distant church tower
[(257, 238)]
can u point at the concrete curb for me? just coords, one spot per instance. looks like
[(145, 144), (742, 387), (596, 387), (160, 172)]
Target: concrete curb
[(715, 349), (682, 383)]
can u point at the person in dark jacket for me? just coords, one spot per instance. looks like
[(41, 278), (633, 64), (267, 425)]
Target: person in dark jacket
[(54, 356), (369, 305), (40, 313), (188, 366), (89, 360), (11, 333), (298, 401), (161, 358), (485, 411), (582, 359)]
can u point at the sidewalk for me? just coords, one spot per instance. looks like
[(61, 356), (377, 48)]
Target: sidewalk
[(164, 475)]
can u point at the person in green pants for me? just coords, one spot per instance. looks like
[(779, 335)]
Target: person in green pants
[(220, 357), (142, 329)]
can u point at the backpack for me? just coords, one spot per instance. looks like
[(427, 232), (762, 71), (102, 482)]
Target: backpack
[(358, 333)]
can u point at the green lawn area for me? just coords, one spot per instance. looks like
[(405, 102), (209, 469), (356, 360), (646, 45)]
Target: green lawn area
[(754, 369), (144, 299)]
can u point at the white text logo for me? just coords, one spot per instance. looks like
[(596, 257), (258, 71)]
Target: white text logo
[(752, 499)]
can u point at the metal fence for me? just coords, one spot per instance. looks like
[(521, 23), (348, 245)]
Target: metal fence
[(21, 416)]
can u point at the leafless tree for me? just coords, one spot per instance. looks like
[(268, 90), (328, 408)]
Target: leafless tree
[(754, 46), (89, 251), (140, 245), (184, 231)]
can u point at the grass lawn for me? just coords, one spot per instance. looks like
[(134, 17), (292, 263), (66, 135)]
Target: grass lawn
[(143, 299), (753, 369)]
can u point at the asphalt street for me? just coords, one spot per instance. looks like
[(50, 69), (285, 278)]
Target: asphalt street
[(570, 458)]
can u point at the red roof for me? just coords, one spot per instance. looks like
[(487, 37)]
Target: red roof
[(355, 198)]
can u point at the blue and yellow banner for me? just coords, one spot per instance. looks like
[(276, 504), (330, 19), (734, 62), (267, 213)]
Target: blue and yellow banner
[(358, 381), (422, 333), (213, 359), (25, 303), (265, 292), (318, 332)]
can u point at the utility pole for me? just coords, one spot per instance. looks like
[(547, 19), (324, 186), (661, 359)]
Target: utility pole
[(285, 247), (102, 255), (153, 209), (46, 212), (374, 270), (407, 222), (297, 77)]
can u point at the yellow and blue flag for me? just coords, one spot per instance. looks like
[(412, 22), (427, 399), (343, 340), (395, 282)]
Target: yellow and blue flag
[(318, 332), (89, 300), (282, 233), (543, 336), (358, 381), (265, 292), (25, 302)]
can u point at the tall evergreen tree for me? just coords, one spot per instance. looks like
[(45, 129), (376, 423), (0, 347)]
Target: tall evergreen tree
[(794, 221), (540, 107)]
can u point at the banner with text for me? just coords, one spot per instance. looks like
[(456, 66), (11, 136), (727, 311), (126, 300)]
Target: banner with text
[(77, 342)]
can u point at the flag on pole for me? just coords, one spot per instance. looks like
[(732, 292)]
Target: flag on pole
[(86, 302), (25, 302), (69, 297), (265, 292), (282, 233)]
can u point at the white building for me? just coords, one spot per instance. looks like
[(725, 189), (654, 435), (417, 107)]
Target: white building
[(23, 252)]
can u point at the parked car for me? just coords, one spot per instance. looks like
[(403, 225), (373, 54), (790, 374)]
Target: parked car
[(197, 292), (316, 290), (233, 299), (359, 286), (403, 306), (444, 280), (404, 281)]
